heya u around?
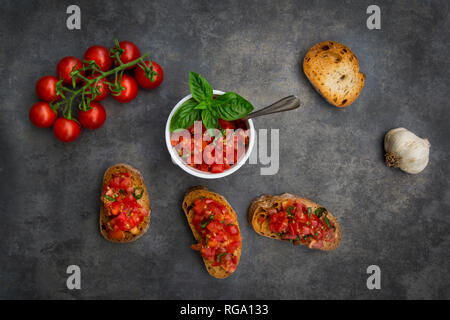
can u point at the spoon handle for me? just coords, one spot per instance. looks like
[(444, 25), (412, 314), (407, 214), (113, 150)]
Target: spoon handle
[(285, 104)]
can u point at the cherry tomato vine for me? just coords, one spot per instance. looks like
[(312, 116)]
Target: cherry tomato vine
[(90, 82), (90, 90)]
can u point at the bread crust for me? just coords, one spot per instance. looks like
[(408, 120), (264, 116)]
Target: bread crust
[(138, 181), (191, 195), (261, 205), (333, 70)]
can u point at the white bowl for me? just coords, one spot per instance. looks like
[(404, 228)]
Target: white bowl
[(198, 173)]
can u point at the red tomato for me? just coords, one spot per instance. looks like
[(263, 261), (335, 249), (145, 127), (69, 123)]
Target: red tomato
[(214, 226), (145, 82), (117, 235), (131, 89), (46, 88), (115, 182), (217, 168), (66, 130), (305, 231), (125, 183), (233, 246), (41, 115), (131, 52), (102, 87), (100, 55), (115, 208), (65, 67), (226, 124), (232, 230), (94, 118), (208, 252)]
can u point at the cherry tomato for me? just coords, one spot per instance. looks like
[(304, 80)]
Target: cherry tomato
[(131, 52), (131, 89), (41, 115), (46, 88), (145, 82), (102, 86), (94, 118), (65, 67), (100, 55), (66, 130)]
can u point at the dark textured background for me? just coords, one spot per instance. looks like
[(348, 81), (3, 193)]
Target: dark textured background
[(50, 191)]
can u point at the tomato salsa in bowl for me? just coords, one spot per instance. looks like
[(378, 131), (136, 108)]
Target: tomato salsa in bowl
[(194, 150)]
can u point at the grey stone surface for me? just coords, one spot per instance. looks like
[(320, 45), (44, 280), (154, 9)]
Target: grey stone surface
[(50, 191)]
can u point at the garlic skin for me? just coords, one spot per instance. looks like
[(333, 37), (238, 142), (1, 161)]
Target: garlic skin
[(406, 150)]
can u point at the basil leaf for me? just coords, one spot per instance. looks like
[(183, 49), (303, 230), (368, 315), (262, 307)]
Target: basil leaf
[(200, 88), (209, 120), (110, 198), (319, 211), (231, 106), (185, 116), (202, 106)]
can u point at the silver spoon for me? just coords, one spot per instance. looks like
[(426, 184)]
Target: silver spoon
[(288, 103)]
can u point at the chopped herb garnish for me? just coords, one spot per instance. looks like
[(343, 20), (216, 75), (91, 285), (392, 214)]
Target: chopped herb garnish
[(325, 218), (289, 211), (138, 195), (319, 211), (122, 192), (220, 256), (204, 224), (110, 198)]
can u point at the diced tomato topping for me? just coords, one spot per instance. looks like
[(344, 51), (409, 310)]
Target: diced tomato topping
[(220, 234), (298, 223), (125, 213), (206, 147)]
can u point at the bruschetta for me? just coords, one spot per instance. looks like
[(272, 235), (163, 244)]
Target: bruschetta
[(215, 226), (295, 219), (125, 205)]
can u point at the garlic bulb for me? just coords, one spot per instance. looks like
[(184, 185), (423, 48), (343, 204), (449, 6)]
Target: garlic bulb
[(406, 151)]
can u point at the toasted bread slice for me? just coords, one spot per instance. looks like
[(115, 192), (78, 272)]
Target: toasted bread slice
[(333, 69), (144, 201), (260, 207), (194, 193)]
